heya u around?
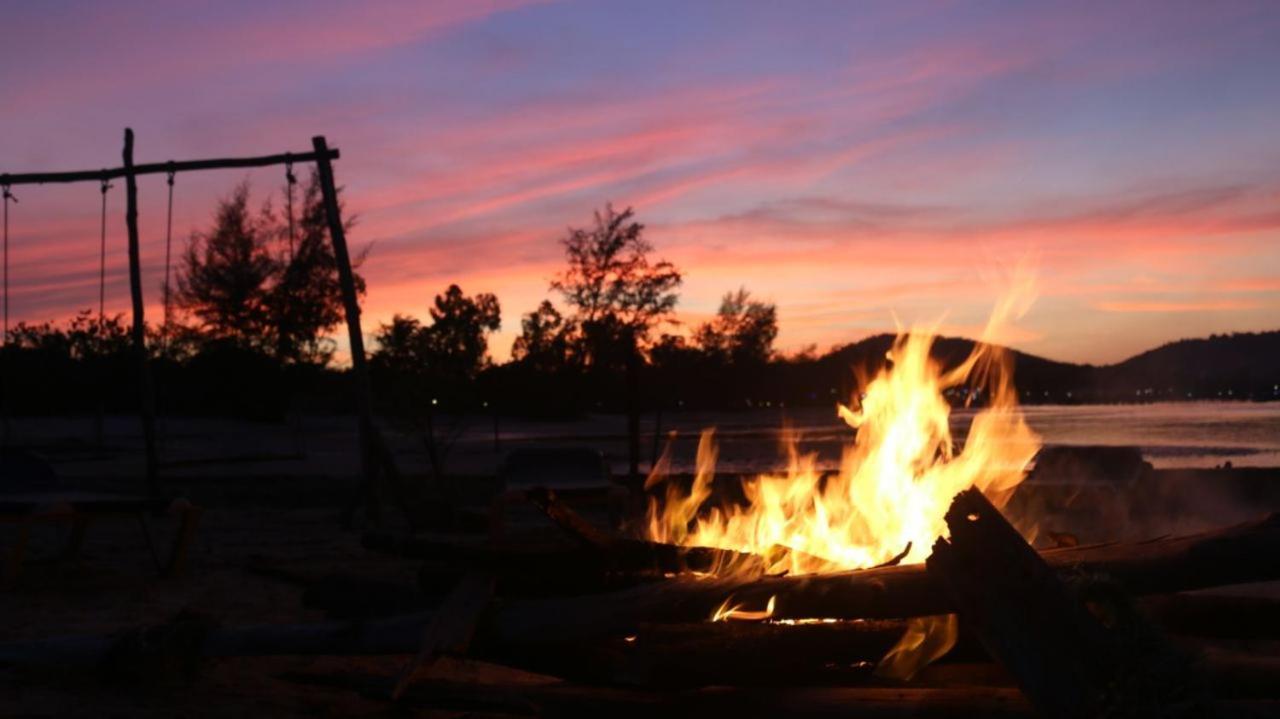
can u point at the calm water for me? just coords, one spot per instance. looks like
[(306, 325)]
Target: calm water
[(1185, 434)]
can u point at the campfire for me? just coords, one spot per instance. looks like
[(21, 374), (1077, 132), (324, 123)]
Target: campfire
[(897, 476)]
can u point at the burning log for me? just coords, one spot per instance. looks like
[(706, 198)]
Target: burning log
[(1241, 554), (1064, 658)]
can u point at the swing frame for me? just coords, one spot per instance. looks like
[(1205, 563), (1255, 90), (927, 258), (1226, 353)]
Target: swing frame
[(373, 450)]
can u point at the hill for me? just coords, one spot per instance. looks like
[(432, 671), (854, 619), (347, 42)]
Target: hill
[(1241, 365)]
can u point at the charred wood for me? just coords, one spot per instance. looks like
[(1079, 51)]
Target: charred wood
[(1069, 661)]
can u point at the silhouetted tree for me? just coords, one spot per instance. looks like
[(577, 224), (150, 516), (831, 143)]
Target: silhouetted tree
[(226, 275), (618, 295), (399, 346), (454, 346), (306, 302), (545, 343), (742, 331)]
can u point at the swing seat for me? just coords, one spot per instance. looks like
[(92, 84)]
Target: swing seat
[(31, 493)]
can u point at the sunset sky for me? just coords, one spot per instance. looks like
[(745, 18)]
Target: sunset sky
[(850, 161)]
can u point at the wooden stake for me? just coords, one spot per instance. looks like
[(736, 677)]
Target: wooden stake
[(145, 388)]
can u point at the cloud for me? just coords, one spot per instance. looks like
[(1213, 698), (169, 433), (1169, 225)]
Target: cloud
[(1175, 306)]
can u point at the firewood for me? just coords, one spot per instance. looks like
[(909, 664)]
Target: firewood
[(1064, 658), (573, 700), (1216, 616), (706, 653), (574, 524), (1235, 555), (620, 555)]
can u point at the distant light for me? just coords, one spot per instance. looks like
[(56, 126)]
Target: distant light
[(484, 404), (434, 401)]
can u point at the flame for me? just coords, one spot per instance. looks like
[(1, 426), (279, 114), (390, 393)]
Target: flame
[(896, 478), (727, 611)]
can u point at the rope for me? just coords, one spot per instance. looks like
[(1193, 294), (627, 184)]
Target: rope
[(290, 181), (8, 197), (168, 247), (102, 261)]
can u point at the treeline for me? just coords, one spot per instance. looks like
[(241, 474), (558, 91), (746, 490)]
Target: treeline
[(245, 330), (256, 302)]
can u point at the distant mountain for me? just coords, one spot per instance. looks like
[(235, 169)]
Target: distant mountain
[(1246, 363), (1242, 365)]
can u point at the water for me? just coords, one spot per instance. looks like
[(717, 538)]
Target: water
[(1183, 434)]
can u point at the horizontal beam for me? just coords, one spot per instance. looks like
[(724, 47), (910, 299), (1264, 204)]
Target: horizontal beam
[(40, 178)]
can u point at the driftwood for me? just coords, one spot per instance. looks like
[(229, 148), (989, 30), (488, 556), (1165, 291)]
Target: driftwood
[(1064, 658)]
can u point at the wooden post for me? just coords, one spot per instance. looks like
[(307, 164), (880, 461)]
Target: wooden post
[(346, 281), (145, 389)]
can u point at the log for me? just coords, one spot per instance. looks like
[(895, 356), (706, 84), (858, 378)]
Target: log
[(571, 700), (669, 657), (573, 524), (624, 556), (656, 655), (689, 655), (1063, 657), (1216, 616), (451, 629), (1241, 554)]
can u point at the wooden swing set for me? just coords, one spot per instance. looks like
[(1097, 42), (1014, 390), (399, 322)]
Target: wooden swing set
[(373, 451)]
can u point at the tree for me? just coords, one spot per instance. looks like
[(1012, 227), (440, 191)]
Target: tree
[(249, 284), (306, 300), (453, 347), (742, 331), (226, 274), (545, 341), (456, 340), (618, 297), (617, 293)]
